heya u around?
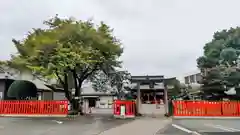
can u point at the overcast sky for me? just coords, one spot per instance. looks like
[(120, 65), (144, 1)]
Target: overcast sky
[(160, 37)]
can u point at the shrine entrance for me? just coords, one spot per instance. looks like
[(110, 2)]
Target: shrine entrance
[(151, 94)]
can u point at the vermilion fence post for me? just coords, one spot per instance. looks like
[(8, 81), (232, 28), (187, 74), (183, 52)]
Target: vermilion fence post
[(230, 108), (31, 108), (213, 108), (129, 108), (207, 108)]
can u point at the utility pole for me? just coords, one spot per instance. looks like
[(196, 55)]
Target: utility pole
[(138, 99), (165, 97)]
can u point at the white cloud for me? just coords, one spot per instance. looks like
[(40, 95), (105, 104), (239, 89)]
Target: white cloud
[(160, 36)]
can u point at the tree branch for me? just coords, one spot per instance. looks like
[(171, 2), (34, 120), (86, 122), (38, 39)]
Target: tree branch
[(83, 73), (39, 78), (87, 72), (50, 87), (60, 79)]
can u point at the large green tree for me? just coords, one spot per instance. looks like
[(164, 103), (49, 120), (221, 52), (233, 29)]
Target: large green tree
[(174, 87), (68, 49), (220, 62), (114, 81)]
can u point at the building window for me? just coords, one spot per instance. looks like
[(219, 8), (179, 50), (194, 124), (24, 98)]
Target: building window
[(192, 79), (198, 77), (186, 80)]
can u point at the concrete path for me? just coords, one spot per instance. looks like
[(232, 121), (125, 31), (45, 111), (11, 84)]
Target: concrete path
[(143, 126), (84, 125), (202, 127)]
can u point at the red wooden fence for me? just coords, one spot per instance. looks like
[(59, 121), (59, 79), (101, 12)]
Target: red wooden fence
[(206, 108), (129, 107), (39, 107)]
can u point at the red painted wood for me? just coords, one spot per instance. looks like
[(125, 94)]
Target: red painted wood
[(207, 108), (54, 107), (129, 107)]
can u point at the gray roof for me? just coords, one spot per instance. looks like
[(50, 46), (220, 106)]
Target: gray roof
[(89, 90), (156, 86), (4, 75), (41, 85), (158, 78), (148, 77)]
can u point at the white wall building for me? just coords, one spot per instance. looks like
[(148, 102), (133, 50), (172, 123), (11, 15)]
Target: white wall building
[(193, 77), (104, 100)]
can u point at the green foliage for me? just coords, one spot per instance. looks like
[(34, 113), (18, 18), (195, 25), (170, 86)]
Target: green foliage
[(2, 63), (113, 81), (68, 46), (100, 82), (219, 64), (176, 86), (119, 80), (21, 89), (213, 83), (65, 45)]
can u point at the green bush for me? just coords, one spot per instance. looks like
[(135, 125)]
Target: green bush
[(21, 89)]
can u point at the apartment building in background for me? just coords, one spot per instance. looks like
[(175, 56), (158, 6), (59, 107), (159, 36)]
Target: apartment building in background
[(193, 77)]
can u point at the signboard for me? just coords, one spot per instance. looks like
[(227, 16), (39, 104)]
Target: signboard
[(122, 110)]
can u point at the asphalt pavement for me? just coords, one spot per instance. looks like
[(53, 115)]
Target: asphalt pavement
[(202, 127), (102, 120), (83, 125)]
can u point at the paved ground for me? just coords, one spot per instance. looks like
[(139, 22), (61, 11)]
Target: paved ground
[(142, 126), (88, 125), (202, 127), (94, 124), (102, 111), (152, 110)]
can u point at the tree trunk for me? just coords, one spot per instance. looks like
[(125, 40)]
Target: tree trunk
[(75, 105), (79, 94), (78, 84), (68, 93), (65, 87), (77, 102)]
